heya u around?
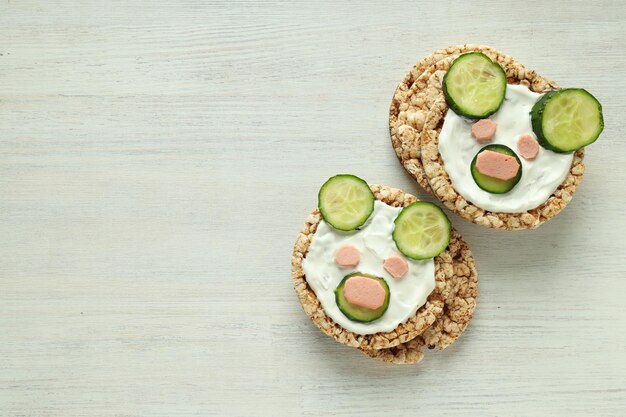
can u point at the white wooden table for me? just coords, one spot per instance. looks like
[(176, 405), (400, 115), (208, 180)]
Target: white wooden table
[(157, 160)]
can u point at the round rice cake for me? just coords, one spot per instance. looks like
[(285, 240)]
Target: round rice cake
[(439, 180), (410, 103), (415, 326), (457, 313)]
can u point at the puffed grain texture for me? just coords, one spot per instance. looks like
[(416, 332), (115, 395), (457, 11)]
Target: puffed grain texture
[(415, 326), (439, 180)]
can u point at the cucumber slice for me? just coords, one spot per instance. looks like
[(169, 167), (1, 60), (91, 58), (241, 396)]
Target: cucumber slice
[(474, 86), (422, 230), (346, 202), (567, 120), (358, 313), (495, 185)]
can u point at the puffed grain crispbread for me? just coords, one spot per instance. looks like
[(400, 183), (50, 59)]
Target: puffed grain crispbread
[(416, 325), (425, 316), (416, 116), (439, 180)]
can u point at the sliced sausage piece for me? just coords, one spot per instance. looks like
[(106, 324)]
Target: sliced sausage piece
[(497, 165), (347, 256), (527, 147), (396, 266), (484, 130), (364, 292)]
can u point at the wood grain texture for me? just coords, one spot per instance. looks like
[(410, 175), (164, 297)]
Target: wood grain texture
[(158, 158)]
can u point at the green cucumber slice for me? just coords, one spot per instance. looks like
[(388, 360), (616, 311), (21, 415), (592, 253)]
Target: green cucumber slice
[(495, 185), (474, 86), (567, 120), (346, 202), (422, 230), (358, 313)]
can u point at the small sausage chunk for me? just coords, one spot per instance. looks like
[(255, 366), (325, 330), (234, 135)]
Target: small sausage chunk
[(364, 292), (396, 266), (347, 256), (527, 147), (484, 130), (497, 165)]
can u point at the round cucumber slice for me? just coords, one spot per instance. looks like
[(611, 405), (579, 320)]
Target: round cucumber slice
[(346, 202), (422, 230), (567, 120), (358, 313), (495, 185), (474, 86)]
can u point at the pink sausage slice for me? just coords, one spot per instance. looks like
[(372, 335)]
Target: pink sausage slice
[(396, 266), (347, 256), (364, 292), (527, 147), (497, 165), (484, 130)]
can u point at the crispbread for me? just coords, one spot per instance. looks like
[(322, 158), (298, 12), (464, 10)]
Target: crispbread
[(439, 180), (458, 311), (415, 326), (419, 99)]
